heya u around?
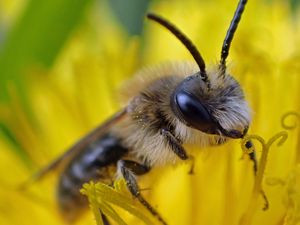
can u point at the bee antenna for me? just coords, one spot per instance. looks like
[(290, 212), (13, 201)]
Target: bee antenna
[(230, 33), (185, 41)]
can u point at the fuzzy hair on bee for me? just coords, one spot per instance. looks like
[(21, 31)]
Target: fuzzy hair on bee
[(167, 106), (150, 110)]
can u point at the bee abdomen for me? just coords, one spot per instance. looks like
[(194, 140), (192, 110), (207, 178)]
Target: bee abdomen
[(96, 162)]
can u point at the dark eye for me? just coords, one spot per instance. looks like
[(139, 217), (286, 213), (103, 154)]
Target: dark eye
[(193, 112)]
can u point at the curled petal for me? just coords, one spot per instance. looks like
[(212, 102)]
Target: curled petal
[(287, 115), (281, 136), (247, 139), (293, 127)]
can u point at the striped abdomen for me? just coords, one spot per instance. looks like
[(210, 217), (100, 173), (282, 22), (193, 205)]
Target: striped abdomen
[(96, 162)]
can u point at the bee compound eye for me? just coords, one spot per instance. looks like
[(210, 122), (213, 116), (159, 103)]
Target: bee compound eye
[(193, 112)]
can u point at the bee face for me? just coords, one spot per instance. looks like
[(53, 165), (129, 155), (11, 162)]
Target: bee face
[(211, 102), (219, 109)]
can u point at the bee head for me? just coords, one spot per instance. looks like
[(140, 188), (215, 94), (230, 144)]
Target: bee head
[(215, 105), (220, 109)]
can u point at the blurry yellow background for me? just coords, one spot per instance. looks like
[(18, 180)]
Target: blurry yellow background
[(62, 63)]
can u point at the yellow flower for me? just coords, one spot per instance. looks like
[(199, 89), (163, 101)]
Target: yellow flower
[(81, 89)]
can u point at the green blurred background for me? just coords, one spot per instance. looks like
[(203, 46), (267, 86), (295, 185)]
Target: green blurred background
[(33, 33)]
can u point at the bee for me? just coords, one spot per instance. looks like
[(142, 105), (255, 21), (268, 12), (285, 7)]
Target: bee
[(168, 106)]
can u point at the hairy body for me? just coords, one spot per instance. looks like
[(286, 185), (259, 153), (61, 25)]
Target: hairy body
[(149, 97), (141, 134), (167, 106)]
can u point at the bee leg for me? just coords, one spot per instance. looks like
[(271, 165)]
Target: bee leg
[(249, 145), (253, 158), (174, 143), (105, 220), (192, 164), (128, 170)]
